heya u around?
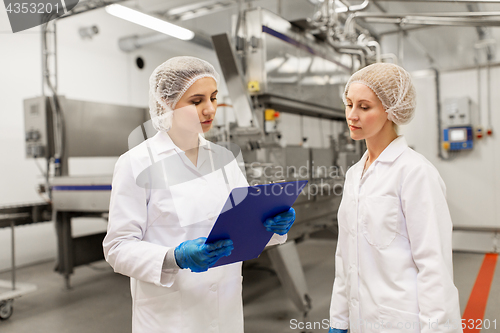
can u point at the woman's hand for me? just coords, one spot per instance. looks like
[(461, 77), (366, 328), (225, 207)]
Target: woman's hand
[(198, 256), (281, 223)]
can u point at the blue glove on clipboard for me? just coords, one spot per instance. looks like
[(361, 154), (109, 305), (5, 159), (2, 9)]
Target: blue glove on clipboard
[(244, 213)]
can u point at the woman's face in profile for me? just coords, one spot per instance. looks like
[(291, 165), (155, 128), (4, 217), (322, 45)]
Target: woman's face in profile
[(196, 109), (364, 112)]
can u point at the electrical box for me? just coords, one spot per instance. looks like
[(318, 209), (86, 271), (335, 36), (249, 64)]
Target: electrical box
[(457, 124), (457, 112), (38, 127)]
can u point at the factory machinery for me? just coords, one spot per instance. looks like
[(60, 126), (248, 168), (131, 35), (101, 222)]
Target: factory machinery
[(271, 67)]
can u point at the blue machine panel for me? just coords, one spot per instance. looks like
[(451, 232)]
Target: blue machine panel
[(459, 138)]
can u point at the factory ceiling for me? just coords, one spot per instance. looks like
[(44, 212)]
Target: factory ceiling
[(423, 46), (417, 46)]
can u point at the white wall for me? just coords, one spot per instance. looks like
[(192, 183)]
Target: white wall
[(91, 70), (472, 178)]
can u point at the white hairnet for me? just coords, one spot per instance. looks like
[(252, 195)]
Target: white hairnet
[(392, 85), (169, 82)]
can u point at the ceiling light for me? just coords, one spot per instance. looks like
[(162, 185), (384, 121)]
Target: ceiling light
[(150, 22)]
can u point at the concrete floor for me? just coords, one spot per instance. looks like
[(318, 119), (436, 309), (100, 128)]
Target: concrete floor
[(100, 300)]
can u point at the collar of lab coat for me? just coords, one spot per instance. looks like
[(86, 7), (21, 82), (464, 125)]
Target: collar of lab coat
[(390, 153), (393, 150), (162, 143)]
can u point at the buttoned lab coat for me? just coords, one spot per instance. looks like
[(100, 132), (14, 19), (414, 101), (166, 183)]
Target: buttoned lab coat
[(394, 252), (155, 206)]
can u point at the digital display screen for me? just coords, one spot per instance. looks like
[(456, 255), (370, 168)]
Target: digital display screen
[(458, 135)]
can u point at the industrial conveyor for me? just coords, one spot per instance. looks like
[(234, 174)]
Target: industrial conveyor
[(12, 216)]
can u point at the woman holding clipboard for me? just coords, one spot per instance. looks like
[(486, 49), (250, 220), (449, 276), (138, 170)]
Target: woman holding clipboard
[(166, 195)]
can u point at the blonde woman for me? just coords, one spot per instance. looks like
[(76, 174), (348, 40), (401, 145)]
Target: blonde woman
[(394, 257)]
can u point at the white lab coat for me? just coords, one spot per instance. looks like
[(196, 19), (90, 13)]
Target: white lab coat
[(394, 254), (145, 223)]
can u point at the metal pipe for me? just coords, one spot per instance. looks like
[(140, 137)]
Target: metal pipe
[(468, 68), (42, 43), (339, 45), (478, 86), (354, 8), (392, 32), (488, 91), (438, 109), (348, 25), (391, 56), (376, 45), (437, 21), (401, 46), (320, 17), (359, 53), (13, 253), (425, 19), (60, 166), (450, 21), (352, 49), (431, 14), (360, 6)]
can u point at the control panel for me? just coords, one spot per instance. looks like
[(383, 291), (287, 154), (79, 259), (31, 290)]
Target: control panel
[(458, 138), (38, 127), (457, 124)]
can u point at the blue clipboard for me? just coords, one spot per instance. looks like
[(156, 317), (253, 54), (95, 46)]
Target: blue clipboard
[(243, 216)]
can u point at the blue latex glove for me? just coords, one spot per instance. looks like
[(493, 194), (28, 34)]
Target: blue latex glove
[(336, 330), (198, 256), (281, 223)]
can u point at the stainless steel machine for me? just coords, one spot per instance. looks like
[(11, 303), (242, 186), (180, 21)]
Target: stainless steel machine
[(78, 129), (274, 66)]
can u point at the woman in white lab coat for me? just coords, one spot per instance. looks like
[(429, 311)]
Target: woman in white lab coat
[(394, 257), (166, 195)]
